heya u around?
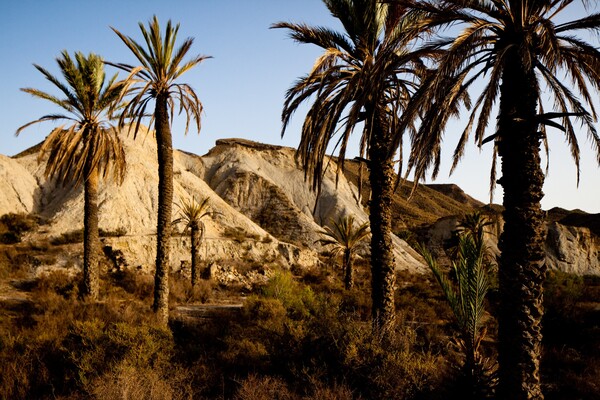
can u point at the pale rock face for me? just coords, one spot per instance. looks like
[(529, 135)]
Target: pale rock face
[(568, 248), (17, 187), (267, 184), (572, 249)]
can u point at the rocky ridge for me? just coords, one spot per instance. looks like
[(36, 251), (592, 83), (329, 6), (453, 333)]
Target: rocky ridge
[(264, 206), (266, 210)]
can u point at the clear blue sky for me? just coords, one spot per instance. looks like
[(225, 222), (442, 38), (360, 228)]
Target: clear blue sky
[(242, 87)]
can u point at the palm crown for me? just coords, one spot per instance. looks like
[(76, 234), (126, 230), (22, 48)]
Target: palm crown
[(161, 65), (89, 142), (192, 212), (493, 32), (344, 235), (364, 74)]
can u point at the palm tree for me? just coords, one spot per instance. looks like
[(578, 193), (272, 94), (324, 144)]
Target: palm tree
[(471, 266), (527, 56), (87, 147), (191, 214), (362, 81), (345, 239), (161, 65)]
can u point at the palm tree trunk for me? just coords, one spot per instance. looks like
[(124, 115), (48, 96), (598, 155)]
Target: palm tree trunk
[(165, 205), (91, 279), (522, 265), (195, 233), (348, 272), (381, 178)]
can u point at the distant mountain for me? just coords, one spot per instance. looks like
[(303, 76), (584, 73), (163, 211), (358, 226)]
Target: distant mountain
[(427, 204)]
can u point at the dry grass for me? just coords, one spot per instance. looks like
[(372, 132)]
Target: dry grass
[(299, 337)]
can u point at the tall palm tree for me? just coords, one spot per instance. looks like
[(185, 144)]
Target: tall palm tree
[(525, 55), (162, 64), (192, 214), (87, 147), (361, 81), (345, 239)]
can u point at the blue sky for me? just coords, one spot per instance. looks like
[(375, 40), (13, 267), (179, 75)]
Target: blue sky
[(242, 87)]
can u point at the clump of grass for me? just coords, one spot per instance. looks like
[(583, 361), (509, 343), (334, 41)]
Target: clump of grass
[(116, 233), (75, 236), (13, 226), (136, 283), (236, 234), (239, 234), (183, 292)]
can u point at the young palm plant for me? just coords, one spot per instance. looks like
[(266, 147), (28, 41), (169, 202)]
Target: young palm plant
[(191, 214), (162, 64), (466, 298), (87, 147), (345, 239), (526, 53), (362, 81)]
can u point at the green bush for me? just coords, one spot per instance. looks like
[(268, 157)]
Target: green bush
[(297, 299)]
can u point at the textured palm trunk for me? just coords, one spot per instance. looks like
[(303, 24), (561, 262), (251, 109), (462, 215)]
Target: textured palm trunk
[(469, 366), (195, 233), (522, 265), (91, 279), (348, 271), (381, 179), (165, 205)]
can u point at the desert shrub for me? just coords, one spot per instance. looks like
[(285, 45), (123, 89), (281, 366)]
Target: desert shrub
[(137, 283), (236, 234), (268, 314), (54, 346), (311, 352), (255, 387), (70, 237), (336, 391), (93, 348), (389, 367), (57, 281), (12, 226), (10, 238), (570, 363), (261, 387), (182, 292), (245, 354), (267, 239), (409, 237), (127, 382), (202, 291), (562, 292), (116, 233)]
